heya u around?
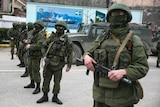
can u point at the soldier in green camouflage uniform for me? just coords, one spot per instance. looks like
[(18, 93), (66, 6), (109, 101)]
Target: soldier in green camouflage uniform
[(30, 27), (35, 56), (55, 49), (13, 35), (21, 48), (132, 64)]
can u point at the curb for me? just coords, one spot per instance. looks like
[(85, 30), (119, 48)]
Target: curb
[(4, 45)]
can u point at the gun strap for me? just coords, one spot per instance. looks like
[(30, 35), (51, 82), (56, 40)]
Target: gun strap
[(49, 48), (121, 48), (50, 45)]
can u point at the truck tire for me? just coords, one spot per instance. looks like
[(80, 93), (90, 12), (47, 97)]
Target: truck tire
[(77, 53)]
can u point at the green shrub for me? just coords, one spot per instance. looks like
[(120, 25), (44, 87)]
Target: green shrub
[(3, 35)]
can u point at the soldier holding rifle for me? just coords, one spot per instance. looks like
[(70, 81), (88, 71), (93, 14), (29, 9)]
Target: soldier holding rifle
[(35, 56), (55, 49), (128, 62)]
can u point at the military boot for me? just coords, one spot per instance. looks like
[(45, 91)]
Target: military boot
[(22, 64), (44, 98), (25, 74), (31, 85), (56, 99), (37, 90), (157, 65), (19, 64), (12, 57)]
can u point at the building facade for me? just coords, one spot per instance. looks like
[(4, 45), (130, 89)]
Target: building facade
[(13, 8)]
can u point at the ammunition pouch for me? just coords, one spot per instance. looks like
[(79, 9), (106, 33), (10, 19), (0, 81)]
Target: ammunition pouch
[(100, 56), (139, 89), (111, 56)]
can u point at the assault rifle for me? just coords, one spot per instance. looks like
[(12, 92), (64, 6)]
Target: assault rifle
[(99, 68)]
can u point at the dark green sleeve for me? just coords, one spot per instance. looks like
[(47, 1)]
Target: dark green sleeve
[(69, 52), (139, 65), (38, 44)]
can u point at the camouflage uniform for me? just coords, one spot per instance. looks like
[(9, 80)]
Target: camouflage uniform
[(13, 35), (110, 91), (61, 48), (35, 56), (26, 52), (21, 48)]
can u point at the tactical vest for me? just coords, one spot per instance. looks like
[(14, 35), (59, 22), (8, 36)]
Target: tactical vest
[(58, 50), (105, 55)]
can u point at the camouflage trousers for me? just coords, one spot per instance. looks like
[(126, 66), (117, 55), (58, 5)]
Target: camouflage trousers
[(48, 77), (12, 45), (34, 69)]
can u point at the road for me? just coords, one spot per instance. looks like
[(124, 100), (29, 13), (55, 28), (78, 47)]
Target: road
[(76, 87)]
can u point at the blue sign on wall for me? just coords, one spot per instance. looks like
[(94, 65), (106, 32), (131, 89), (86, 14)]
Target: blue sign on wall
[(50, 15)]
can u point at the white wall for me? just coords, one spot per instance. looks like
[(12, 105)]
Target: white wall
[(88, 13), (6, 21)]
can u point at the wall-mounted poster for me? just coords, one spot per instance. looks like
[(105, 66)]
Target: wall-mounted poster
[(50, 15)]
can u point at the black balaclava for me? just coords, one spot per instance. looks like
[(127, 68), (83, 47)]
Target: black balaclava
[(37, 28), (60, 30), (119, 24)]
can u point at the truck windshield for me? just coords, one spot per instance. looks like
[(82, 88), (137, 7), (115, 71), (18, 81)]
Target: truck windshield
[(83, 29)]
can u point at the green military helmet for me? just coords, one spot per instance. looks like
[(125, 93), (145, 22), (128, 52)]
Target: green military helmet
[(119, 6), (61, 23), (39, 22), (15, 23), (30, 25), (23, 24)]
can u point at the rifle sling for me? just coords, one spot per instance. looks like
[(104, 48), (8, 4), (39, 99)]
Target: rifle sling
[(121, 47)]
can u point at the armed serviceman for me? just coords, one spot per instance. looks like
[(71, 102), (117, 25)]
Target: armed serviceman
[(35, 56), (13, 35), (30, 27), (55, 49), (122, 51), (21, 47)]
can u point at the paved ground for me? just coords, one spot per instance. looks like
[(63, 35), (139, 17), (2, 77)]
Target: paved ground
[(76, 87)]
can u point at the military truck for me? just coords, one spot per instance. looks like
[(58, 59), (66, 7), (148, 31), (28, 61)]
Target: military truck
[(87, 33)]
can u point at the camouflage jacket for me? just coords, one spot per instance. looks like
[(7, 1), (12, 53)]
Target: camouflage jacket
[(61, 48)]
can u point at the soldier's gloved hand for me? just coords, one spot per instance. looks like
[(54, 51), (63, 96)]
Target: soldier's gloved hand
[(116, 75), (88, 62)]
